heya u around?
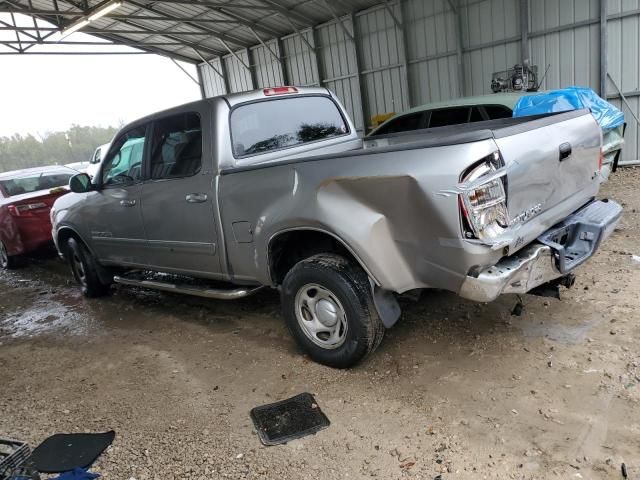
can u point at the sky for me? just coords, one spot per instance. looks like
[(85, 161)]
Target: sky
[(46, 93)]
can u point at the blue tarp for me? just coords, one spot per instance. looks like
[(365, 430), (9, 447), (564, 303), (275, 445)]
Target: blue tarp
[(570, 98)]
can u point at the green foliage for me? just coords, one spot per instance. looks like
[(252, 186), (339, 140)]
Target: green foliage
[(57, 148)]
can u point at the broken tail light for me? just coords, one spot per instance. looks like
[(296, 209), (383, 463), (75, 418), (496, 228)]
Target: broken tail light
[(483, 201)]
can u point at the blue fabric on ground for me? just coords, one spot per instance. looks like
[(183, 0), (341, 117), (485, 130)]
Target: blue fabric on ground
[(77, 474), (570, 98)]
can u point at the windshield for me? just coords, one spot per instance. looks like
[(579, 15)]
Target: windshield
[(34, 182), (272, 125)]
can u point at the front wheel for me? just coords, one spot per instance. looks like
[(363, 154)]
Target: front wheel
[(329, 310), (85, 269)]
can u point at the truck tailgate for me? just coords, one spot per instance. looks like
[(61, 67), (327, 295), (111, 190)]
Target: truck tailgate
[(552, 164)]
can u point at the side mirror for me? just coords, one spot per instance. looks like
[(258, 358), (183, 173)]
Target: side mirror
[(80, 183)]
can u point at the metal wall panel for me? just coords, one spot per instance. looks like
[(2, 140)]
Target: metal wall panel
[(268, 70), (339, 66), (300, 59), (562, 34), (491, 40), (431, 50), (624, 66), (572, 54), (213, 84), (382, 68), (239, 76)]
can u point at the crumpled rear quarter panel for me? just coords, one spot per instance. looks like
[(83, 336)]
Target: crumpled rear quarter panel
[(384, 206)]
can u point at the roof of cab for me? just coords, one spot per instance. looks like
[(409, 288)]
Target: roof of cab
[(230, 99), (242, 97)]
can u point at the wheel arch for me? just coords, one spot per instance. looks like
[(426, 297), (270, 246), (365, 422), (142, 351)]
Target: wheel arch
[(63, 234), (306, 242)]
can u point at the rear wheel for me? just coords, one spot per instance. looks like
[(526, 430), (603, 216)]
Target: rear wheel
[(329, 310), (85, 269), (8, 262)]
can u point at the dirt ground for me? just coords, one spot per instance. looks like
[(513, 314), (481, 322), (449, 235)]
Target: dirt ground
[(457, 389)]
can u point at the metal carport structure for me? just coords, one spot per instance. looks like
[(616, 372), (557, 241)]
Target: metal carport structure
[(378, 56)]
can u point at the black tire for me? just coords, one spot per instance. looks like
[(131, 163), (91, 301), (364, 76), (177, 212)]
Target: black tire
[(85, 269), (348, 285), (9, 262)]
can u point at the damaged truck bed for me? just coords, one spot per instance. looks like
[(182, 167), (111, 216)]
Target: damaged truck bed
[(339, 225)]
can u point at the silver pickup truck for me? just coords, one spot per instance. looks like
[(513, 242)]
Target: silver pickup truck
[(274, 188)]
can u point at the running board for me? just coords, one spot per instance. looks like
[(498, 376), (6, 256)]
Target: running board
[(218, 294)]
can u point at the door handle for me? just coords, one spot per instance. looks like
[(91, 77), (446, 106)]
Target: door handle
[(565, 150), (127, 203), (196, 197)]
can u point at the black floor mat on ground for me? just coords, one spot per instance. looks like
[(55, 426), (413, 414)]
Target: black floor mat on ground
[(65, 451), (289, 419)]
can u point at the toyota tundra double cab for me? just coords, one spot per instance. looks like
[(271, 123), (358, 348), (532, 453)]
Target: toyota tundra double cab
[(274, 188)]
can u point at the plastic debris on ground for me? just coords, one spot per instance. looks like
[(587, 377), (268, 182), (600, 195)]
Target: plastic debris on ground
[(77, 474), (295, 417)]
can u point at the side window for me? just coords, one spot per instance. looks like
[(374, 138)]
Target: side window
[(449, 116), (498, 111), (123, 166), (97, 156), (405, 123), (176, 146)]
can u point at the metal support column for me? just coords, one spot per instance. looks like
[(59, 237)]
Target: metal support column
[(283, 64), (252, 69), (225, 75), (603, 48), (361, 87), (524, 30), (203, 94), (400, 23), (316, 54), (459, 49)]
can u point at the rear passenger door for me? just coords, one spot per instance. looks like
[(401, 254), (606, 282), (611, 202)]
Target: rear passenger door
[(177, 196)]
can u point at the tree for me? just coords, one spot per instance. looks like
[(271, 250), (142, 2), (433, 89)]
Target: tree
[(54, 148)]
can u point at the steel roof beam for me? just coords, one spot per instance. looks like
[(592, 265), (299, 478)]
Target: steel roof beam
[(152, 33), (218, 35), (289, 13), (169, 18), (220, 9)]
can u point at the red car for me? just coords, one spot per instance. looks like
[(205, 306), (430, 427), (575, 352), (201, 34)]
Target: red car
[(26, 197)]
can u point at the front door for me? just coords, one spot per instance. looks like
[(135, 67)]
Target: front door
[(177, 199), (117, 230)]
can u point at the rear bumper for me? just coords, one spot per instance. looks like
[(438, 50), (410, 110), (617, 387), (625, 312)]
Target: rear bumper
[(545, 260)]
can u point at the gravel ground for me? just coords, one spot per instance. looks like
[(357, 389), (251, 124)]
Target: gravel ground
[(457, 389)]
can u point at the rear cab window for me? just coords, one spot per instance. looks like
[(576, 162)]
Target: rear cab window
[(276, 124), (34, 183)]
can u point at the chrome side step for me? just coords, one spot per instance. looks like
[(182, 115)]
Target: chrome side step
[(218, 294)]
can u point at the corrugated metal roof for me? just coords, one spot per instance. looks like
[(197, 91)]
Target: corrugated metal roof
[(188, 30)]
